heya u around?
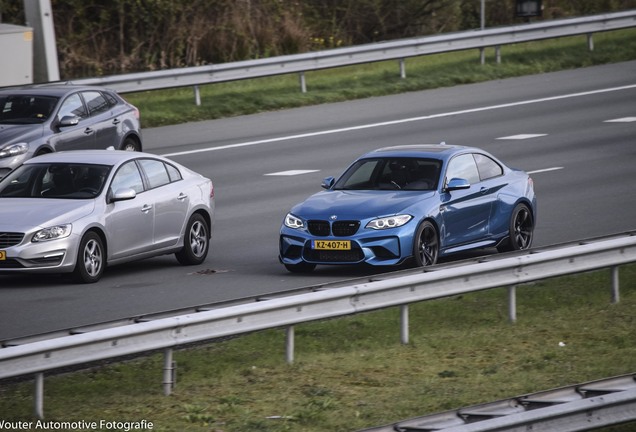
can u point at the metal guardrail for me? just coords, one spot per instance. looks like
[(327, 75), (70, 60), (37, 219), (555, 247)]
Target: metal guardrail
[(168, 333), (391, 50), (579, 407)]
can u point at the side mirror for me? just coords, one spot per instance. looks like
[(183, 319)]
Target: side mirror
[(457, 184), (328, 182), (122, 195), (69, 120)]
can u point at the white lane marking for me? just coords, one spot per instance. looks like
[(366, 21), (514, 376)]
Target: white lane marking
[(395, 122), (621, 120), (521, 136), (291, 172), (545, 170)]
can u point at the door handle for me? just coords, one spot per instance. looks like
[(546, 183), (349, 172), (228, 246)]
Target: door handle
[(116, 121), (88, 131), (182, 196), (146, 208)]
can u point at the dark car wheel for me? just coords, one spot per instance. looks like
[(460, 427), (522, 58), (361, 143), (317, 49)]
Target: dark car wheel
[(520, 231), (303, 267), (90, 263), (130, 144), (426, 245), (196, 243)]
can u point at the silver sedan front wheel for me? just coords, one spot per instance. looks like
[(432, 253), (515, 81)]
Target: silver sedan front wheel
[(90, 263)]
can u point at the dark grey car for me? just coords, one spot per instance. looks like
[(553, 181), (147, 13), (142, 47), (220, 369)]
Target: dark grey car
[(41, 119)]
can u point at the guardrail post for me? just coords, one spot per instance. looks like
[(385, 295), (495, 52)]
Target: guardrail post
[(289, 344), (615, 285), (482, 55), (498, 53), (197, 96), (303, 84), (512, 304), (168, 372), (590, 41), (402, 69), (38, 404), (404, 324)]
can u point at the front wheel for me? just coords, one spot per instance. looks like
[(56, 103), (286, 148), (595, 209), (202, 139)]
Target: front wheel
[(426, 245), (520, 230), (196, 243), (91, 260)]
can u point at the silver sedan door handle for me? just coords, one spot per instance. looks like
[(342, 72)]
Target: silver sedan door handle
[(182, 196), (146, 208)]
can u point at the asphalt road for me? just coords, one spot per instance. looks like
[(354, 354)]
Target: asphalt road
[(575, 131)]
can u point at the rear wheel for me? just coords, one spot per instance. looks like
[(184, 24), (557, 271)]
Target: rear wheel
[(130, 144), (196, 243), (520, 231), (91, 260), (426, 245)]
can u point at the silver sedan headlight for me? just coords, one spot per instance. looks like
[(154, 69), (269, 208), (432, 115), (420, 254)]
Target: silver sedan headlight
[(389, 222), (52, 233), (14, 150), (293, 222)]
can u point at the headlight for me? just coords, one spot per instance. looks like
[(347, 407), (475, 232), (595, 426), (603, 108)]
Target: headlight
[(292, 221), (389, 222), (14, 150), (52, 233)]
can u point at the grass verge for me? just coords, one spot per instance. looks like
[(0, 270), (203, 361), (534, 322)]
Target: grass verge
[(353, 373), (164, 107)]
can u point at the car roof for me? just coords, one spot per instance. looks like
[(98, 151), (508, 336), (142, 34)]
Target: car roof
[(437, 151), (103, 157), (55, 89)]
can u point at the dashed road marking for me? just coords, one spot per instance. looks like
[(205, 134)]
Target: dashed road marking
[(621, 120), (291, 172), (521, 136)]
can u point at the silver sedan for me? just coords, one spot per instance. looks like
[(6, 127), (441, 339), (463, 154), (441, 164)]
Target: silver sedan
[(79, 211)]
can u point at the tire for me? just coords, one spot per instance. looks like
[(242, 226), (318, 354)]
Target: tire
[(520, 231), (426, 245), (196, 243), (91, 259), (130, 144), (303, 267)]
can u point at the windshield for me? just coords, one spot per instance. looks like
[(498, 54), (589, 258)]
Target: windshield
[(55, 180), (391, 174), (26, 109)]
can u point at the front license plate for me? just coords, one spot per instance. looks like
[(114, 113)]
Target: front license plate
[(331, 244), (3, 255)]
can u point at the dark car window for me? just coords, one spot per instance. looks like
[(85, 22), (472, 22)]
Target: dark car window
[(128, 177), (96, 102), (391, 174), (112, 101), (463, 167), (55, 180), (488, 168), (26, 109), (72, 106), (155, 172)]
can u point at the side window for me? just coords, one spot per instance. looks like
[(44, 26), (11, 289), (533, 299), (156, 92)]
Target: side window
[(74, 106), (488, 168), (95, 101), (110, 99), (155, 172), (128, 177), (174, 173), (464, 167)]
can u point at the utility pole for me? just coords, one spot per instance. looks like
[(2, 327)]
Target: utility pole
[(39, 16)]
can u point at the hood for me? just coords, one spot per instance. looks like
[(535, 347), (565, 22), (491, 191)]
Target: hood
[(359, 204), (23, 214), (12, 133)]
